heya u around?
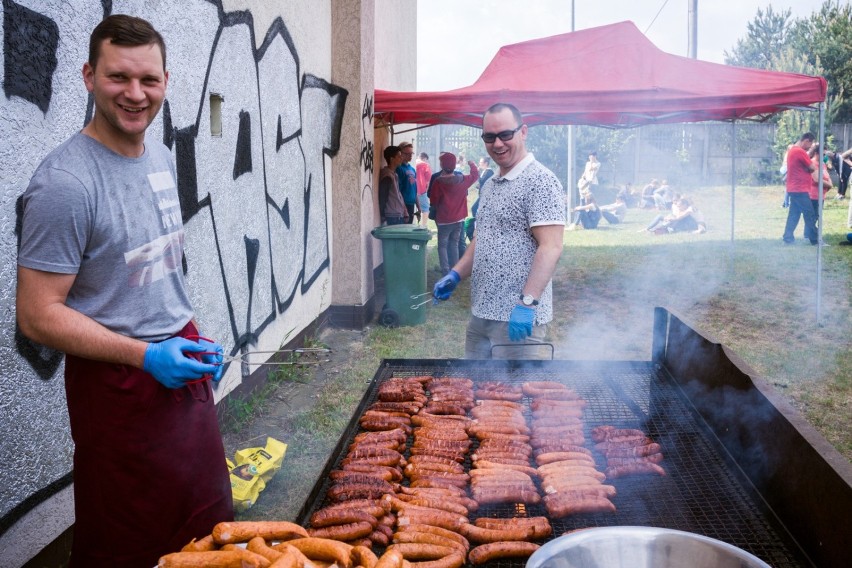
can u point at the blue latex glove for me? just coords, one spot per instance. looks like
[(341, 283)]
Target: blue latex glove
[(213, 359), (444, 287), (521, 322), (171, 365)]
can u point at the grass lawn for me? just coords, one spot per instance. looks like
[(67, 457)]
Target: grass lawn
[(755, 295)]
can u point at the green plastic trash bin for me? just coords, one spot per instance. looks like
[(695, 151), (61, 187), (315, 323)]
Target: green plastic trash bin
[(404, 251)]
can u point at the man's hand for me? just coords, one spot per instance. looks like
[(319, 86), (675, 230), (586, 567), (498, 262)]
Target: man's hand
[(214, 359), (521, 322), (444, 287), (171, 365)]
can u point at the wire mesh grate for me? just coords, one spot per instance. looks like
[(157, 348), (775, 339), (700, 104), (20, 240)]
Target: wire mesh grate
[(703, 491)]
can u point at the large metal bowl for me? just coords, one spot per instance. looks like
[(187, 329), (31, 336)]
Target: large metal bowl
[(640, 547)]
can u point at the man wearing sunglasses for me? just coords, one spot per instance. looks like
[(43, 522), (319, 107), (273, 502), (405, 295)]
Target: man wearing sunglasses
[(516, 245)]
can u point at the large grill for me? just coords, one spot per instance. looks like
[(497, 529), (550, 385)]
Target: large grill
[(706, 490)]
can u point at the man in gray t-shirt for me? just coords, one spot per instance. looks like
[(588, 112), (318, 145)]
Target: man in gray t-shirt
[(517, 243), (100, 278)]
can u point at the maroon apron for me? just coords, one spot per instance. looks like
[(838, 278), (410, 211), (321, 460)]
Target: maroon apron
[(149, 464)]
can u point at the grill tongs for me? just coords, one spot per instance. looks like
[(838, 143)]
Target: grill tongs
[(242, 357)]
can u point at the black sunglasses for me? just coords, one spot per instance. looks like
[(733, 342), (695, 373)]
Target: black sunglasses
[(505, 136)]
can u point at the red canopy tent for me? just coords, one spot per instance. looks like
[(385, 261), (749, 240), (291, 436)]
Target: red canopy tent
[(606, 76), (611, 76)]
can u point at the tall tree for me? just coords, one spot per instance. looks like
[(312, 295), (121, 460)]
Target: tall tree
[(767, 34), (825, 38)]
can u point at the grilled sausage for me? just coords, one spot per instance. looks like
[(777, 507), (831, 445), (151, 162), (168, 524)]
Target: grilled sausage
[(232, 558), (635, 468), (417, 537), (243, 531), (324, 549), (363, 556), (346, 531), (562, 506), (495, 550), (422, 551)]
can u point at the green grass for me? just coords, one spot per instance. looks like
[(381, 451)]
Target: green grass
[(753, 294)]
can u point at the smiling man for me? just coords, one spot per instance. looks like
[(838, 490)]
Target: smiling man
[(515, 247), (100, 278)]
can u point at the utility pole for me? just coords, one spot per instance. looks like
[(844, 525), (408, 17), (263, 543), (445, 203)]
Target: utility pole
[(693, 29), (570, 189)]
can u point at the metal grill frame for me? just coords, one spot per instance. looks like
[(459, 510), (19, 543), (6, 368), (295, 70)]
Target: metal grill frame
[(716, 422), (702, 493)]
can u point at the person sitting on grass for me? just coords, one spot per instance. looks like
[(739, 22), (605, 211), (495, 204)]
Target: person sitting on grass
[(679, 220), (587, 215), (646, 199), (614, 212)]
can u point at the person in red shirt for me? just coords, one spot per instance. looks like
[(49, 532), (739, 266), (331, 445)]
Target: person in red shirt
[(424, 174), (813, 194), (448, 193), (799, 181)]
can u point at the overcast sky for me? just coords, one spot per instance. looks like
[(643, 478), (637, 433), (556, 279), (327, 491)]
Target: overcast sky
[(457, 38)]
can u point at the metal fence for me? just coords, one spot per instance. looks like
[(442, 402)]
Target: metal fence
[(684, 154)]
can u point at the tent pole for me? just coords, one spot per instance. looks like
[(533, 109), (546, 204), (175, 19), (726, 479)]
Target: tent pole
[(819, 208), (733, 177)]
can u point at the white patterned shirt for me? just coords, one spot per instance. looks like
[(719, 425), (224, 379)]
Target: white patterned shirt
[(528, 196)]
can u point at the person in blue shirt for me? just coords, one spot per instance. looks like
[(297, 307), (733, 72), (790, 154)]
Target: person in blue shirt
[(407, 179)]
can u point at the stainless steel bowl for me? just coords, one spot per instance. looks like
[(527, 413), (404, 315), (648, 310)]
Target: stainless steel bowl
[(640, 547)]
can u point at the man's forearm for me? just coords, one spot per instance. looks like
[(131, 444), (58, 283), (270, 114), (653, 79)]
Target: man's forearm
[(67, 330), (545, 259), (464, 267)]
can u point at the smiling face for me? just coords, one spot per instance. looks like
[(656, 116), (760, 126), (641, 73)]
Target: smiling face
[(505, 154), (129, 86)]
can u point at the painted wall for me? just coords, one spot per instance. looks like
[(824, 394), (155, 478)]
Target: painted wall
[(257, 200)]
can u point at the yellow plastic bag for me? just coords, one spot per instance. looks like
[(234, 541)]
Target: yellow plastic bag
[(251, 469)]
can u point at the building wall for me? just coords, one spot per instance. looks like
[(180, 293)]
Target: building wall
[(259, 202)]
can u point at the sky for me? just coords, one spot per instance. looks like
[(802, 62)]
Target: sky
[(457, 38)]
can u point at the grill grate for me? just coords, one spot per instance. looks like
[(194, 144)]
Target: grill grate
[(703, 493)]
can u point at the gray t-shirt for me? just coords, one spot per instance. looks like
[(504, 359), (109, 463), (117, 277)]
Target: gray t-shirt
[(116, 223), (528, 196)]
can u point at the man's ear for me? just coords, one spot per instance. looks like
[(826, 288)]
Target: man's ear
[(89, 76)]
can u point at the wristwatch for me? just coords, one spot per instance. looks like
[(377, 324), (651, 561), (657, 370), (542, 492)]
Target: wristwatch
[(528, 300)]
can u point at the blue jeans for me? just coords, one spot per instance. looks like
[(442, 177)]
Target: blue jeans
[(448, 245), (395, 220), (800, 205)]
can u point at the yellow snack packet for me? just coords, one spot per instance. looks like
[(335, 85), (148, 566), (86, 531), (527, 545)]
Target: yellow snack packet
[(251, 469)]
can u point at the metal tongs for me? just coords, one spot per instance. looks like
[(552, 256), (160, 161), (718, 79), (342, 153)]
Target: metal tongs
[(241, 357), (415, 296)]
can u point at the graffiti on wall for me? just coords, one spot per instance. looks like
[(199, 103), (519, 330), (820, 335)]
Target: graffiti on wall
[(254, 198), (317, 99), (367, 141)]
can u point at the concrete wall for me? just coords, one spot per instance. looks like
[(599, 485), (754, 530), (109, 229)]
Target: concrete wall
[(259, 202)]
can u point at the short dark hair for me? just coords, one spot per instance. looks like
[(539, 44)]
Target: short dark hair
[(121, 29), (390, 152), (424, 156), (807, 136), (497, 107)]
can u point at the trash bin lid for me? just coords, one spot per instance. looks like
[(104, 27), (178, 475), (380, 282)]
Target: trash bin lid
[(409, 232)]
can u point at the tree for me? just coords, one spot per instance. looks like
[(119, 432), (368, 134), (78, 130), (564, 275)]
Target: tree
[(767, 34), (825, 39), (793, 123)]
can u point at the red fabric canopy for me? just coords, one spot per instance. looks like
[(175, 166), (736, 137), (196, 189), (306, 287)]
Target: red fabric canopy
[(606, 76)]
